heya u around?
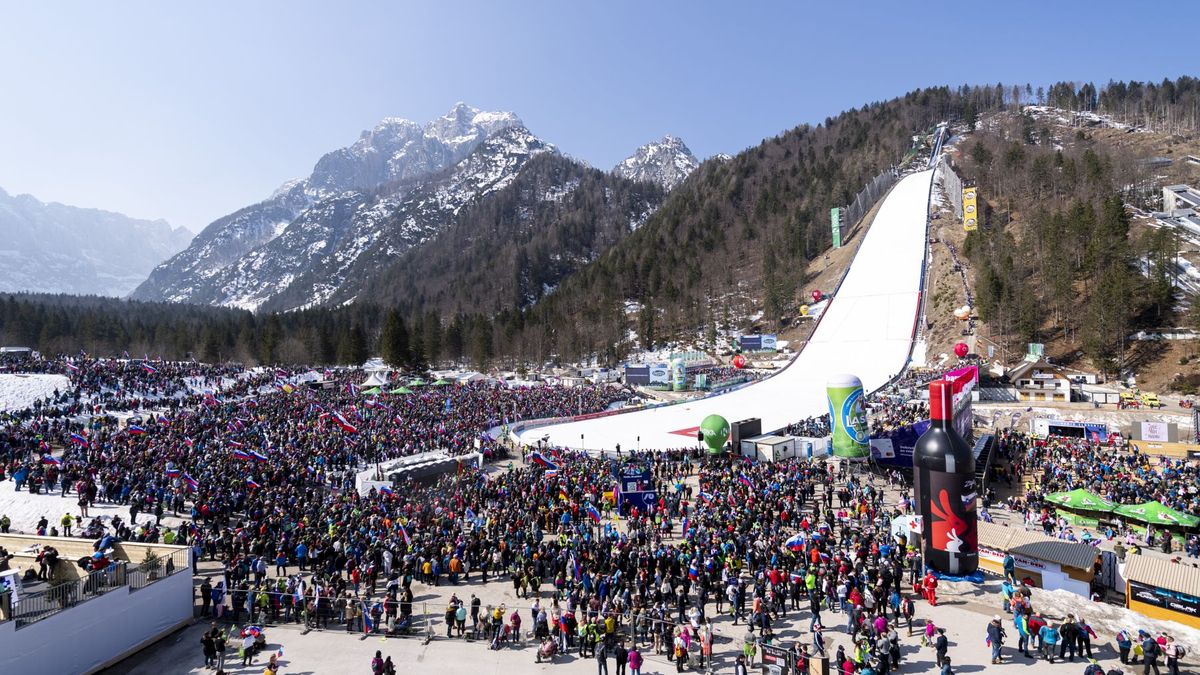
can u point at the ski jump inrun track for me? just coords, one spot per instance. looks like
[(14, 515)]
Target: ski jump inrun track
[(867, 330)]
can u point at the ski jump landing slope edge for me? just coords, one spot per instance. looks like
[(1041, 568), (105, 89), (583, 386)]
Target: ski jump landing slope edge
[(867, 330)]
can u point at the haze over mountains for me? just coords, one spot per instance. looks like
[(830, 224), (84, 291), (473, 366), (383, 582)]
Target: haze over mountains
[(55, 248), (329, 237)]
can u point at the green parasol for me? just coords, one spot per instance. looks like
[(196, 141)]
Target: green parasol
[(441, 382), (372, 391), (1154, 513), (401, 390), (1080, 500), (417, 383)]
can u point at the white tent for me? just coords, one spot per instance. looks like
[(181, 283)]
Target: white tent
[(378, 378)]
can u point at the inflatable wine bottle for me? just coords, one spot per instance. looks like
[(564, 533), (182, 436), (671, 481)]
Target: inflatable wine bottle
[(944, 487)]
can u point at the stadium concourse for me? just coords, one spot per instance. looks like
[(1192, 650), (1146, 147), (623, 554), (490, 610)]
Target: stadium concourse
[(866, 331)]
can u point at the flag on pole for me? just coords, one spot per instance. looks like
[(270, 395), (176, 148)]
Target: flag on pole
[(238, 453), (404, 535), (593, 512), (745, 480), (251, 483), (345, 424), (173, 472), (542, 461), (705, 497), (149, 368), (78, 439), (51, 460), (136, 430), (191, 482), (258, 456)]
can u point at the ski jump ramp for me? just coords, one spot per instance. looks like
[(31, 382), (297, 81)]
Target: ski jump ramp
[(867, 330)]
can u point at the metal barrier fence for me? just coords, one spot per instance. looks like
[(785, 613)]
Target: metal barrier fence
[(144, 573), (951, 187), (866, 198), (29, 608)]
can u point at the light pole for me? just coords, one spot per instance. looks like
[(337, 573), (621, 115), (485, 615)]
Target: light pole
[(581, 445)]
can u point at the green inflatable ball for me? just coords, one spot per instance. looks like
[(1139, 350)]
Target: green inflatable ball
[(715, 430)]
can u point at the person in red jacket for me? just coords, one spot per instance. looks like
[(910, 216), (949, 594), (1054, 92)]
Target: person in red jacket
[(930, 584)]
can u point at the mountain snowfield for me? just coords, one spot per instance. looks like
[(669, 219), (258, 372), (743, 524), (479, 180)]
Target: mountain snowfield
[(666, 162), (54, 248), (323, 239)]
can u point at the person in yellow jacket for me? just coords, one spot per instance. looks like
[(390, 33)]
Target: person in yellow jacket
[(66, 521)]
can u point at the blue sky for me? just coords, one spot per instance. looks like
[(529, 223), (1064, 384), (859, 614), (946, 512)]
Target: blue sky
[(187, 111)]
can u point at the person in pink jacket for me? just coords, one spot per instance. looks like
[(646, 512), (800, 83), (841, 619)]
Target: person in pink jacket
[(635, 661)]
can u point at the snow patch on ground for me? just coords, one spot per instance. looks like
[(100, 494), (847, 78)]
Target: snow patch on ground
[(20, 391)]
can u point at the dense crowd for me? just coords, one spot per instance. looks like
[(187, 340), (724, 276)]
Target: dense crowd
[(271, 445), (1111, 469), (759, 543)]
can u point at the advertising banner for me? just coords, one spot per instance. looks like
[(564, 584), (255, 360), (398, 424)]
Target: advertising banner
[(1161, 597), (768, 343), (637, 374), (1156, 432), (750, 343), (660, 373), (848, 417)]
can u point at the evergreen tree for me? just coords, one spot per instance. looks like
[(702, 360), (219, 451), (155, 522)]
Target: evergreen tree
[(394, 340)]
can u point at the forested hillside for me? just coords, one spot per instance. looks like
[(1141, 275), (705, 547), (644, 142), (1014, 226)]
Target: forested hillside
[(1056, 259), (528, 276)]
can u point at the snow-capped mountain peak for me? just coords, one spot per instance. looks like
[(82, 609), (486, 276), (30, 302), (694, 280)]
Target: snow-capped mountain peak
[(395, 151), (666, 162), (465, 124)]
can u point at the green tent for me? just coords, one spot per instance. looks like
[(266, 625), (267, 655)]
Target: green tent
[(372, 391), (417, 383), (1080, 500), (401, 390), (441, 382), (1154, 513)]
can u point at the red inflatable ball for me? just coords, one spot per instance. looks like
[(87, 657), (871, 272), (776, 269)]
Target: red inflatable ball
[(961, 350), (816, 296), (739, 362)]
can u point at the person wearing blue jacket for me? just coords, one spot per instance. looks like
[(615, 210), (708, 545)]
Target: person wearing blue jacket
[(1049, 639)]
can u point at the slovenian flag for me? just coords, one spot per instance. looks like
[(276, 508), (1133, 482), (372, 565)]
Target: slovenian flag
[(795, 543), (687, 525), (149, 368), (191, 482), (73, 368), (173, 472), (344, 423), (705, 497), (258, 456), (796, 577), (352, 389), (238, 453), (368, 624), (745, 480), (593, 512), (187, 440), (693, 572), (404, 535), (387, 490), (136, 430), (542, 461), (51, 460), (251, 483), (79, 439), (237, 444)]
